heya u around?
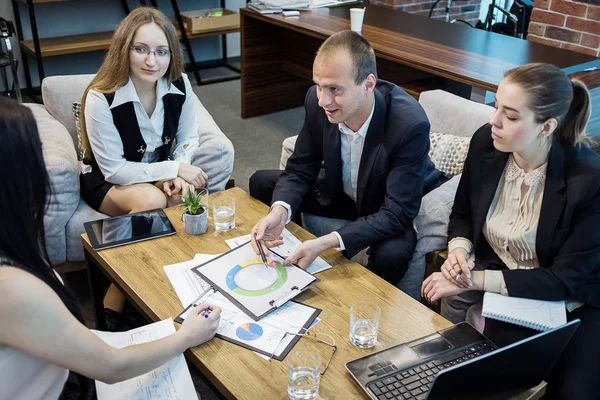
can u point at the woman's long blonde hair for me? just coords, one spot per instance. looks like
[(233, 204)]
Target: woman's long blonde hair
[(114, 72)]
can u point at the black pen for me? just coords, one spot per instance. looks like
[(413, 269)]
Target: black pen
[(283, 258), (261, 251)]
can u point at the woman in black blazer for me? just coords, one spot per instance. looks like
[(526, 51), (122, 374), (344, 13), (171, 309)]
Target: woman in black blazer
[(525, 220)]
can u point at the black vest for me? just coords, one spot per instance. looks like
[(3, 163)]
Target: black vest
[(126, 123)]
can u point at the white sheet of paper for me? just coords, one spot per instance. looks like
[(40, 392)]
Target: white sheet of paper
[(265, 334), (171, 381), (187, 284), (290, 243), (259, 289)]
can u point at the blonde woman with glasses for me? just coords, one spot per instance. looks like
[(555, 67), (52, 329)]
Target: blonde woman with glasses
[(140, 128)]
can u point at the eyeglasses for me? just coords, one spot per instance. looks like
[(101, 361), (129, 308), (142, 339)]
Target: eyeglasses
[(320, 337), (144, 51)]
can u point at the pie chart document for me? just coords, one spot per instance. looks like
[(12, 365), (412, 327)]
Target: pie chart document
[(267, 336), (257, 289)]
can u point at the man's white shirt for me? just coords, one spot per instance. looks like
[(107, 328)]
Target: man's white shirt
[(352, 144)]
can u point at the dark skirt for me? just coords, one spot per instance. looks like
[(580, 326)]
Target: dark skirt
[(94, 187)]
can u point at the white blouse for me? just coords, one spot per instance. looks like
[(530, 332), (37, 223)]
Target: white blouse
[(511, 224), (107, 146), (512, 220)]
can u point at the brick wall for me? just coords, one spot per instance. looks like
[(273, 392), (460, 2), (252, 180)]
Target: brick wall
[(573, 25), (465, 10)]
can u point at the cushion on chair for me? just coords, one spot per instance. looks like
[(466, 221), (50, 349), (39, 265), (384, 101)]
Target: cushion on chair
[(84, 213), (59, 93), (448, 152), (431, 225), (215, 153), (287, 148), (452, 114), (63, 170)]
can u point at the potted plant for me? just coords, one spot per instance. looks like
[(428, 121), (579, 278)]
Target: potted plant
[(195, 211)]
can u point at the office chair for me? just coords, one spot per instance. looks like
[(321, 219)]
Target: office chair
[(7, 30), (517, 19), (447, 13)]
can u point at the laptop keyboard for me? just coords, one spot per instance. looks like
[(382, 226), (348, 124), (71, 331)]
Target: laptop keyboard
[(414, 383)]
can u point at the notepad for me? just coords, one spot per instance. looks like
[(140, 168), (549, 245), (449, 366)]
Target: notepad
[(535, 314)]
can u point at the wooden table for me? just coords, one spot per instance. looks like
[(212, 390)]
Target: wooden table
[(412, 51), (239, 373)]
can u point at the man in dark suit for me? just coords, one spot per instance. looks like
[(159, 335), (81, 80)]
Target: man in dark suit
[(372, 139)]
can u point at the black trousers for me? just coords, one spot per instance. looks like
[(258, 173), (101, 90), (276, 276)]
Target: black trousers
[(576, 374), (388, 258)]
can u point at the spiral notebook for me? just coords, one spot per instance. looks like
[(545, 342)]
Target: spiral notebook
[(535, 314)]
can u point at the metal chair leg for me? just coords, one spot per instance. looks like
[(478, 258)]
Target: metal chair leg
[(5, 80), (14, 66)]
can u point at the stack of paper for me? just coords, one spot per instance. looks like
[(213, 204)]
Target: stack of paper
[(169, 381), (263, 337)]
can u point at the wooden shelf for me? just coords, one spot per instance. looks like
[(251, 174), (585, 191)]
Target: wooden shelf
[(208, 33), (72, 44), (43, 1)]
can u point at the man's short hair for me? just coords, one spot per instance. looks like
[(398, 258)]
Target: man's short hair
[(360, 50)]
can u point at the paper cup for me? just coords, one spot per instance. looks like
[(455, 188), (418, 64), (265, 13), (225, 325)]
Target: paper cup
[(356, 19)]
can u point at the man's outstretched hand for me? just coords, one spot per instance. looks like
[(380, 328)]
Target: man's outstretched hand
[(268, 229), (307, 252)]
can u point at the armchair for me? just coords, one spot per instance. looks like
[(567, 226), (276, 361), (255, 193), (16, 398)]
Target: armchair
[(67, 211)]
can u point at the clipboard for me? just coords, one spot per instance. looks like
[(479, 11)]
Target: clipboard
[(221, 273), (279, 357)]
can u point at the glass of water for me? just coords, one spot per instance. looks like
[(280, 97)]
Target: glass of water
[(364, 324), (304, 375), (224, 213)]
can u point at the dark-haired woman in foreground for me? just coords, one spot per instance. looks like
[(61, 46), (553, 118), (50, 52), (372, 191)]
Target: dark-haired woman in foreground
[(526, 219), (41, 330)]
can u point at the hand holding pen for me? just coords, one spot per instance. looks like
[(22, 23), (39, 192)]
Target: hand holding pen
[(457, 268), (200, 325), (261, 251)]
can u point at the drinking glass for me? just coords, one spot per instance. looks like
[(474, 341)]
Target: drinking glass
[(304, 375), (224, 213), (364, 324)]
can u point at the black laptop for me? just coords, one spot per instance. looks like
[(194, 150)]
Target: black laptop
[(460, 363)]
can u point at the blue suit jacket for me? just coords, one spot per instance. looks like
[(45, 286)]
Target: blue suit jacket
[(392, 173)]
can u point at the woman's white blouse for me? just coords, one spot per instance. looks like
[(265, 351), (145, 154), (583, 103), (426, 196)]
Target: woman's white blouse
[(107, 146), (512, 220)]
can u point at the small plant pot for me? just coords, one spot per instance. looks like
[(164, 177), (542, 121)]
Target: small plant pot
[(195, 224)]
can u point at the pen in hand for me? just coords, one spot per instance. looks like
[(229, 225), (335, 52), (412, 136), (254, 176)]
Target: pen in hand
[(459, 274), (261, 251)]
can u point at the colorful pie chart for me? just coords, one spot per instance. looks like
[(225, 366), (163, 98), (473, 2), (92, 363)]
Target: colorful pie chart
[(252, 278), (249, 331)]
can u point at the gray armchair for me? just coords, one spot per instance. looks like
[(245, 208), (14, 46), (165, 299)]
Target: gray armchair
[(66, 210)]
